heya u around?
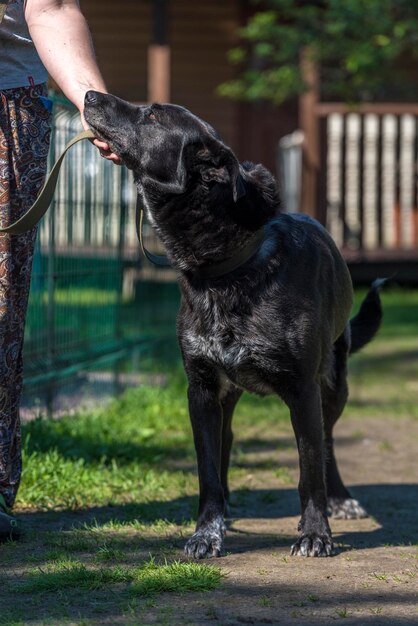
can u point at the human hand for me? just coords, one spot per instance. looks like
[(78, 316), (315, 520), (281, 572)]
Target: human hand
[(106, 152), (103, 146)]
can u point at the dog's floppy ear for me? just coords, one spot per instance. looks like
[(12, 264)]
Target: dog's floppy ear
[(221, 166)]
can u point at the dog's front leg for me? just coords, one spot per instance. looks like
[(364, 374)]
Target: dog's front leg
[(206, 418), (314, 532)]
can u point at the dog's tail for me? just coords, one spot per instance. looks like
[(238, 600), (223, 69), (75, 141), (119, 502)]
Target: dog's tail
[(366, 323)]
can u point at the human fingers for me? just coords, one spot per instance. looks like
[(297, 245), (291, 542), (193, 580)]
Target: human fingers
[(106, 153)]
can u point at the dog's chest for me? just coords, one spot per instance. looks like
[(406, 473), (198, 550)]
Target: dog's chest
[(231, 352), (220, 346)]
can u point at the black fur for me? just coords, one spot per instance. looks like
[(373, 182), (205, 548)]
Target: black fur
[(277, 324), (367, 321)]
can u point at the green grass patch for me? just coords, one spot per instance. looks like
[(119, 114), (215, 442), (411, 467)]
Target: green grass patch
[(83, 297), (123, 453), (148, 579), (383, 376), (175, 577), (400, 308)]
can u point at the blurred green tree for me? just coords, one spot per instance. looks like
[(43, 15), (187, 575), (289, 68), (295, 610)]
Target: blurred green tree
[(365, 49)]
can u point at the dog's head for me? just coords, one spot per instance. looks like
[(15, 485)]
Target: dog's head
[(163, 143)]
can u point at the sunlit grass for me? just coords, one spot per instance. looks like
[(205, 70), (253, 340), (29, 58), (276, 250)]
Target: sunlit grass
[(148, 579), (88, 296), (383, 376)]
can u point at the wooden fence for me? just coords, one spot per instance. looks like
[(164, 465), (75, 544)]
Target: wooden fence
[(360, 179)]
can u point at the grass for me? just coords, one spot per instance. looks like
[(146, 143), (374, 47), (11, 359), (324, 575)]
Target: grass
[(148, 579), (101, 459), (83, 297), (107, 496), (137, 449), (383, 376)]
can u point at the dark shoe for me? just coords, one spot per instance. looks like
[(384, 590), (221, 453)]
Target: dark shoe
[(9, 528)]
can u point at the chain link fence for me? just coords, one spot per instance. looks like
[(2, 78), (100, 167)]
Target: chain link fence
[(95, 306)]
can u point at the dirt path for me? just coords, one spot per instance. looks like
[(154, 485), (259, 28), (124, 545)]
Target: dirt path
[(372, 579)]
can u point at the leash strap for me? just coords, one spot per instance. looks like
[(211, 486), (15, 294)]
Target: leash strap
[(156, 259), (3, 7), (41, 204), (38, 209)]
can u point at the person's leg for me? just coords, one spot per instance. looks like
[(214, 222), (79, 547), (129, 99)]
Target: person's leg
[(24, 142)]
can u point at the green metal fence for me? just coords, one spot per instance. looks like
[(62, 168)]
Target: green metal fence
[(94, 301)]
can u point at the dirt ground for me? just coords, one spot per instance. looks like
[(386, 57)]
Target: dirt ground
[(373, 577)]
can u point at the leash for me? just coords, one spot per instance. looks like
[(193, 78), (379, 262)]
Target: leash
[(156, 259), (3, 7), (38, 209)]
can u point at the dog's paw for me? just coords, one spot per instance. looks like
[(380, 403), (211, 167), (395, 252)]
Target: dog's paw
[(345, 508), (207, 541), (312, 545)]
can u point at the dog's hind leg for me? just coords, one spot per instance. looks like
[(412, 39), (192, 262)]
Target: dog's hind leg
[(206, 418), (334, 393), (228, 402), (314, 532)]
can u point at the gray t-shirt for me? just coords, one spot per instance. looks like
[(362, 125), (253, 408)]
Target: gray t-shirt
[(20, 65)]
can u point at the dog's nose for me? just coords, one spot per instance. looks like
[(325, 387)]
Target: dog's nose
[(91, 97)]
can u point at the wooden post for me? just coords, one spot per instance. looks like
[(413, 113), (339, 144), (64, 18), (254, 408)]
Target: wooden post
[(159, 55), (158, 73), (309, 124)]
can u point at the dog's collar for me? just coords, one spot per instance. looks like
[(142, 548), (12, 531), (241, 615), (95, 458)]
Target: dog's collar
[(217, 270), (211, 270)]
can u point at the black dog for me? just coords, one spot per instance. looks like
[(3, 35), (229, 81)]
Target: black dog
[(265, 305)]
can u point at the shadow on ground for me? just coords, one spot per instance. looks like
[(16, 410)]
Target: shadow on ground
[(263, 585), (392, 506)]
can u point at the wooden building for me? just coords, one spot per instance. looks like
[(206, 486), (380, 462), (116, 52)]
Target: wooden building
[(363, 187), (176, 50)]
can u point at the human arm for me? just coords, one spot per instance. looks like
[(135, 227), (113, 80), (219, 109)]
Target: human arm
[(62, 39)]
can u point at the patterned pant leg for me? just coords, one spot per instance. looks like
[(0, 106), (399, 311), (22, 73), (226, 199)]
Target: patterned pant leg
[(24, 142)]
